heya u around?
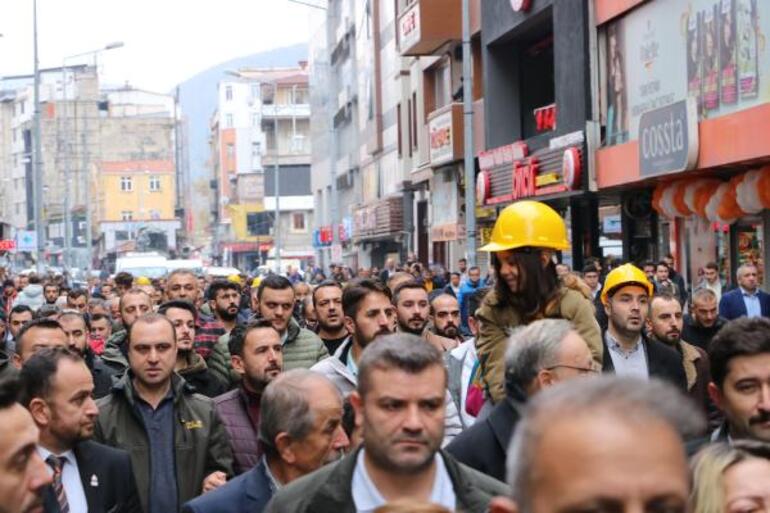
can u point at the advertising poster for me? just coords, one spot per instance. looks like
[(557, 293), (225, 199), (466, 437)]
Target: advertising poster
[(666, 51)]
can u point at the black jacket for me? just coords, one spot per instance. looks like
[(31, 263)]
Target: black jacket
[(102, 374), (328, 490), (247, 493), (698, 335), (483, 446), (107, 477), (663, 362)]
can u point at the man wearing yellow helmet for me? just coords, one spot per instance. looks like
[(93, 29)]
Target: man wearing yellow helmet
[(628, 351), (525, 238)]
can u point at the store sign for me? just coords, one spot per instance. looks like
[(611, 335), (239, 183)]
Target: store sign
[(26, 240), (512, 173), (664, 52), (545, 118), (409, 27), (7, 245), (447, 232), (441, 138), (521, 5), (668, 139)]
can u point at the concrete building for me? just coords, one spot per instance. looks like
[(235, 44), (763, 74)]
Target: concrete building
[(262, 126)]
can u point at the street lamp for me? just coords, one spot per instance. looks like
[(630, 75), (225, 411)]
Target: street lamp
[(67, 171)]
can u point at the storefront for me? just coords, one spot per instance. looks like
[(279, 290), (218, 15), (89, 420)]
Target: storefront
[(687, 130), (537, 103), (378, 230)]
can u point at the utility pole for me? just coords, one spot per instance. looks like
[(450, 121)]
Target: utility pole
[(37, 174), (277, 224), (470, 171), (67, 176)]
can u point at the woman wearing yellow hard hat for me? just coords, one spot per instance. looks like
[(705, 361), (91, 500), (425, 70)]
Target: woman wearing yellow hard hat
[(525, 238)]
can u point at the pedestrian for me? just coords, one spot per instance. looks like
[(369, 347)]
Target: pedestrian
[(257, 356), (76, 327), (35, 335), (453, 287), (711, 280), (177, 442), (525, 239), (23, 474), (613, 441), (57, 389), (677, 278), (539, 355), (327, 300), (300, 430), (413, 314), (134, 303), (19, 316), (31, 295), (399, 401), (663, 283), (445, 320), (225, 302), (472, 283), (628, 351), (703, 322), (746, 300)]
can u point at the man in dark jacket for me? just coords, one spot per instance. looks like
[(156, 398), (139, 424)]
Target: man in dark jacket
[(746, 300), (57, 390), (133, 304), (704, 321), (189, 364), (539, 355), (178, 445), (627, 351), (400, 400), (257, 357), (77, 328), (297, 398)]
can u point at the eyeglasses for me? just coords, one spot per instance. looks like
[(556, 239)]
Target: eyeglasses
[(580, 370)]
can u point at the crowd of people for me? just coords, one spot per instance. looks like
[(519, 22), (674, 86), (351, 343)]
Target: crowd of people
[(532, 389)]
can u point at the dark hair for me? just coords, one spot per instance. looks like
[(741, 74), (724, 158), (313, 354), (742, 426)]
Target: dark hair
[(180, 304), (45, 323), (323, 284), (648, 263), (455, 273), (76, 293), (8, 283), (149, 318), (47, 311), (37, 374), (402, 351), (51, 284), (474, 268), (711, 265), (101, 317), (34, 279), (275, 282), (76, 313), (19, 309), (9, 391), (218, 285), (663, 263), (357, 290), (407, 285), (590, 268), (745, 336), (475, 300), (124, 279), (135, 291), (538, 284), (241, 331)]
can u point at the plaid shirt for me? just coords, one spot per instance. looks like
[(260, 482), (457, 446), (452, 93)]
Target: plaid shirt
[(207, 333)]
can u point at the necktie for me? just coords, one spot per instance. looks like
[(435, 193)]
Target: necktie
[(56, 463)]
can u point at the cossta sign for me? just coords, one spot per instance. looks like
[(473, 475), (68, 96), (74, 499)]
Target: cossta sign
[(668, 139)]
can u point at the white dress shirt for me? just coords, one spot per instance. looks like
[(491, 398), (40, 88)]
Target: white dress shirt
[(70, 478), (631, 363)]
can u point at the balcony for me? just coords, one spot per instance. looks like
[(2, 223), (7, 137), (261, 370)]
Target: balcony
[(445, 134), (426, 25), (284, 111)]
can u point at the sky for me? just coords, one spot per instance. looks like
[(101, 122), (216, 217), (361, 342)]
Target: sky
[(165, 41)]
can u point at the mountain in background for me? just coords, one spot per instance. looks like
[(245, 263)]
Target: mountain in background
[(198, 100)]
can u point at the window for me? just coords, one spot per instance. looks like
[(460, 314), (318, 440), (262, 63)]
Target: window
[(127, 215), (441, 86), (298, 222), (228, 120), (154, 183), (230, 151), (126, 184), (301, 95), (228, 93), (121, 235), (259, 223)]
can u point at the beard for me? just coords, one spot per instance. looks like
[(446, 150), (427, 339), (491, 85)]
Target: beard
[(449, 331), (224, 314), (364, 341), (405, 326)]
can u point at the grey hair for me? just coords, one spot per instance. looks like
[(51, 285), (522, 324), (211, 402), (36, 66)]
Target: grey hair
[(531, 349), (402, 351), (628, 400), (703, 293), (285, 407), (743, 267)]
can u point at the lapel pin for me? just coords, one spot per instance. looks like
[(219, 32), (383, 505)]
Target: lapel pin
[(94, 480)]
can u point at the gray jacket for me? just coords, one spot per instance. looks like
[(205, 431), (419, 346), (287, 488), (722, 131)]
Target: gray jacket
[(335, 369)]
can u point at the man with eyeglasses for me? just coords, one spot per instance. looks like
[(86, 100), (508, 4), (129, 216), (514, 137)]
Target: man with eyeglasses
[(539, 355)]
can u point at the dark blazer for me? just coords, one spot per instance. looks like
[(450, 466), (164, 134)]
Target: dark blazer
[(483, 446), (663, 362), (107, 477), (247, 493), (731, 306)]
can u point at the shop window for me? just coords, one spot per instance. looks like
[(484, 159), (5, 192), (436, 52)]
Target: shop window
[(259, 223), (536, 79)]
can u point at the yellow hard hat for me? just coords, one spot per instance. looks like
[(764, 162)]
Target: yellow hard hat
[(528, 223), (626, 274), (143, 280), (234, 278), (256, 281)]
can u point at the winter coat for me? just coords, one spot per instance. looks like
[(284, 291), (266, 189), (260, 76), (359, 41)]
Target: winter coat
[(243, 434), (32, 296), (201, 378)]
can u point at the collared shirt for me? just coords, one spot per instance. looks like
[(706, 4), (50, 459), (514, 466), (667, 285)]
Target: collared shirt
[(275, 485), (751, 300), (628, 363), (351, 364), (367, 498), (70, 478), (159, 424)]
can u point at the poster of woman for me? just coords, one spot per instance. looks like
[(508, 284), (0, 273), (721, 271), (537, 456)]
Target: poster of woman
[(728, 82), (748, 43), (710, 60), (617, 108), (694, 58)]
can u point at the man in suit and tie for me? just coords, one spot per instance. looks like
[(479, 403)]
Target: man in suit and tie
[(57, 389), (300, 429), (747, 300)]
